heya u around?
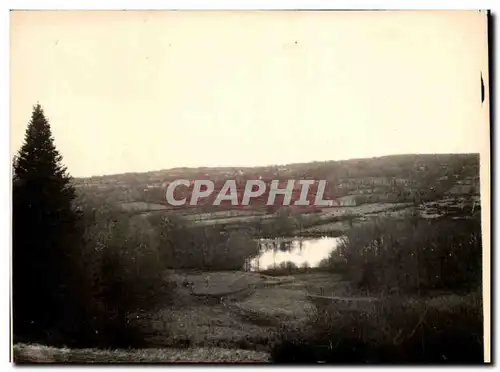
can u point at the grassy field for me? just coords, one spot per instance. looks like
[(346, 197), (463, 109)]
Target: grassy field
[(236, 329), (233, 317), (330, 221), (223, 215), (233, 330)]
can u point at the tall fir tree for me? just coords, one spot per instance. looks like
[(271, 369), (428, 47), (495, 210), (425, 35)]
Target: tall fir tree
[(45, 233)]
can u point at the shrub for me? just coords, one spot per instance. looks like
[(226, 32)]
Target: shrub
[(183, 246), (121, 276), (397, 331), (400, 256), (414, 255)]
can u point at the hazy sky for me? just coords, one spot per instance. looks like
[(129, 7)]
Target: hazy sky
[(137, 91)]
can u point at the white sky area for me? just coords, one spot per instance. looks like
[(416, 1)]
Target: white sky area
[(131, 91)]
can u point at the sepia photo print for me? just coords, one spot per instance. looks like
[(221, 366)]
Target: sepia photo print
[(306, 187)]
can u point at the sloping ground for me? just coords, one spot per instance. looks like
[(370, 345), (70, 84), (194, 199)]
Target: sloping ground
[(237, 331), (24, 353), (203, 325), (223, 214), (141, 206), (339, 226), (222, 283), (285, 303), (247, 322), (202, 322), (363, 209), (274, 305)]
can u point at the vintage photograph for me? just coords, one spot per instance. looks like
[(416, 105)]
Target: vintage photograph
[(305, 187)]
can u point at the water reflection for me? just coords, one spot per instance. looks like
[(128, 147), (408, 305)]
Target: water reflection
[(300, 251)]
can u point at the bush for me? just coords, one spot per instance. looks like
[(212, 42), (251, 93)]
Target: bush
[(285, 223), (208, 248), (121, 276), (398, 331), (405, 256), (414, 255)]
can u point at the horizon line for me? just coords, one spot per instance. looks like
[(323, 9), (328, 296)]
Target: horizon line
[(270, 164)]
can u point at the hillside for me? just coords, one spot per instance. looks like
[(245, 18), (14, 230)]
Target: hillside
[(392, 178)]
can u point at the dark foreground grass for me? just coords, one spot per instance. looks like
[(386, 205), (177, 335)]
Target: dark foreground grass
[(35, 354), (395, 332)]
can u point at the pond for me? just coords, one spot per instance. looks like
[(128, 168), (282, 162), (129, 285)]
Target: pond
[(299, 251)]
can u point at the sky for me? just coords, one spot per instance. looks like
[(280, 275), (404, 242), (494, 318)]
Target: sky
[(133, 91)]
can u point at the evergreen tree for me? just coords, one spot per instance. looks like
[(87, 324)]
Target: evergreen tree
[(44, 233)]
